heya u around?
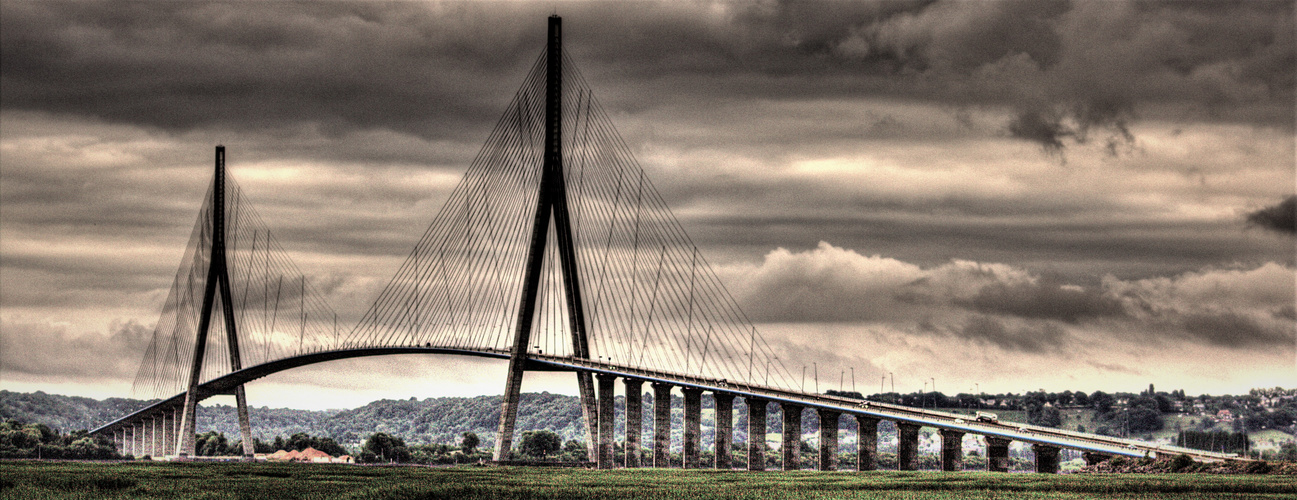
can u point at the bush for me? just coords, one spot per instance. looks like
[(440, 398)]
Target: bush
[(1181, 462), (1257, 467)]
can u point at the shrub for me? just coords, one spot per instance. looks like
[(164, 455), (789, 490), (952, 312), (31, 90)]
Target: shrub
[(1257, 467)]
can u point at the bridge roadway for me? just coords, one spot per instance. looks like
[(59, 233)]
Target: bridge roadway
[(153, 429)]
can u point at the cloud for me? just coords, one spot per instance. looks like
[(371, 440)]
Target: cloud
[(1110, 367), (1045, 299), (1071, 68), (1034, 337), (1035, 126), (49, 350), (340, 65), (1233, 308), (396, 65), (1013, 308), (1280, 218), (1236, 330)]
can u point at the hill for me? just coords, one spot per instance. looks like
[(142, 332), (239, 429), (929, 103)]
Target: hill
[(441, 420)]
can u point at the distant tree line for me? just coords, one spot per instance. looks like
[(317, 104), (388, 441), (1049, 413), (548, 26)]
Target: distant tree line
[(431, 430), (20, 440)]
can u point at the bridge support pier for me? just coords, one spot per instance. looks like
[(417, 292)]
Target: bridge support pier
[(724, 428), (160, 435), (1046, 458), (828, 439), (634, 420), (245, 424), (952, 450), (907, 446), (606, 419), (997, 453), (866, 443), (153, 436), (792, 446), (168, 431), (175, 432), (756, 433), (693, 433), (662, 425), (1094, 458)]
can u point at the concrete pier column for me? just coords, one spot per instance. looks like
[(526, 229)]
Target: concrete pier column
[(179, 429), (159, 435), (724, 428), (693, 432), (127, 437), (792, 446), (1046, 458), (167, 433), (866, 443), (1094, 458), (662, 425), (756, 433), (952, 450), (634, 420), (140, 450), (153, 436), (907, 446), (607, 418), (117, 441), (177, 418), (828, 439), (997, 454)]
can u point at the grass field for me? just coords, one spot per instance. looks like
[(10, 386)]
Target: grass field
[(49, 480)]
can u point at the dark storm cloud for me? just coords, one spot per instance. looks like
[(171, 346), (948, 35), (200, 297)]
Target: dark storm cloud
[(443, 68), (1279, 218), (1030, 337), (1237, 331), (1044, 299), (180, 65)]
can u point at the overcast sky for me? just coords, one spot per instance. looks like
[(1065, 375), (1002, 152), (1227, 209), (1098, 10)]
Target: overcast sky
[(993, 195)]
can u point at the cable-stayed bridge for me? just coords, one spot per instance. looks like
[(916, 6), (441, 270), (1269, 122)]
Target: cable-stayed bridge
[(554, 252)]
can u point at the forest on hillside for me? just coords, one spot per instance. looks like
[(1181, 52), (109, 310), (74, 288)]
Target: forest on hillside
[(444, 420)]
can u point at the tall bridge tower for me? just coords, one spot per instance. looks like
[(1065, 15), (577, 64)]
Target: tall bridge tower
[(218, 280), (552, 203)]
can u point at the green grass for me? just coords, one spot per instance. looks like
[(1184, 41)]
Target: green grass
[(57, 480)]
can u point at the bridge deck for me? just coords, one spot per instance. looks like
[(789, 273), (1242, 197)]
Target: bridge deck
[(928, 418)]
